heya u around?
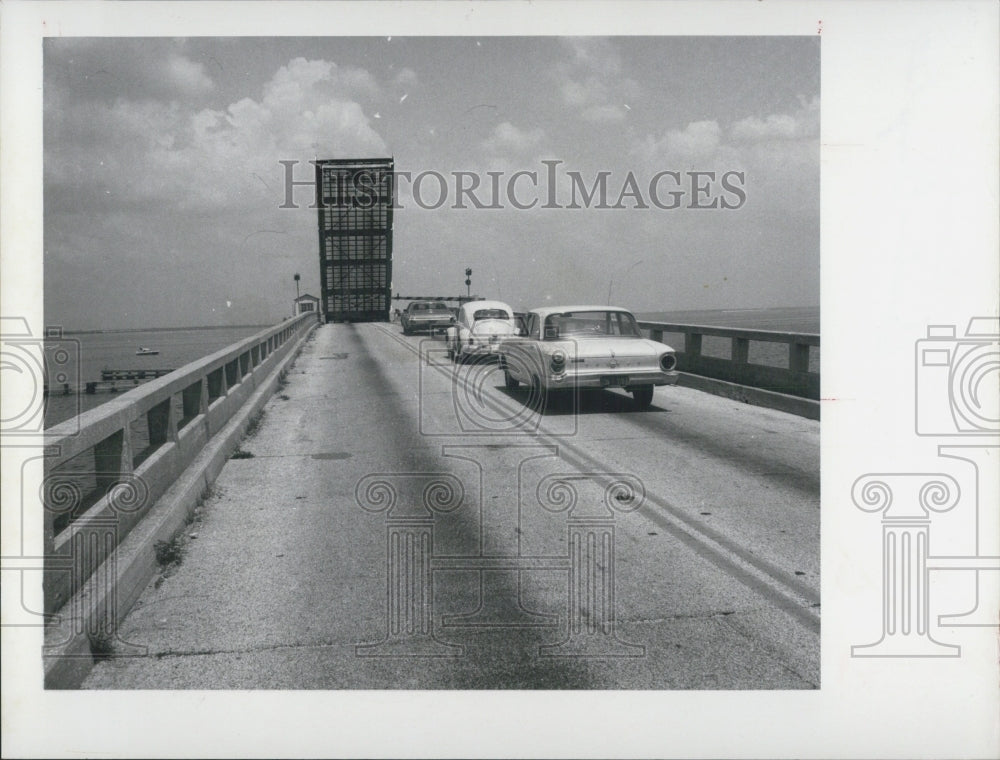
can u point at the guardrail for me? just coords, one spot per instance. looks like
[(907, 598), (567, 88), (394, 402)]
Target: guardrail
[(105, 468), (794, 378)]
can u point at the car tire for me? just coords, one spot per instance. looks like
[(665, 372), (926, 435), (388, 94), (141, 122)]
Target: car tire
[(642, 396), (509, 381)]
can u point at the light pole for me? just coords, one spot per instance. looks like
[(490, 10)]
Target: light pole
[(296, 278), (611, 282)]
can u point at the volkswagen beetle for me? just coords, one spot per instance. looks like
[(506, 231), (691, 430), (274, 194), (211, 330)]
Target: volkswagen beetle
[(480, 328), (587, 347)]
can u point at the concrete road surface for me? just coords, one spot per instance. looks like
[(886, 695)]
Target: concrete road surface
[(402, 522)]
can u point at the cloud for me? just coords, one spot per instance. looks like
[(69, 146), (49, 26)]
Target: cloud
[(604, 113), (699, 139), (802, 124), (141, 69), (506, 138), (575, 93), (406, 77), (591, 80), (596, 54), (794, 132), (137, 152), (187, 76), (778, 155), (300, 77), (191, 195)]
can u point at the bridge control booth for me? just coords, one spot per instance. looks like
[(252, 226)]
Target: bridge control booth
[(306, 304)]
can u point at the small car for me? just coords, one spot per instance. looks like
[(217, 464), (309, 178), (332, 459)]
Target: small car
[(425, 315), (586, 347), (479, 329)]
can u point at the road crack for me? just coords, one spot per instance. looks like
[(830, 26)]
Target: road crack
[(245, 650)]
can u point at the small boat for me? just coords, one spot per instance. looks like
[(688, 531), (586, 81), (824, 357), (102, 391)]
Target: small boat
[(143, 351)]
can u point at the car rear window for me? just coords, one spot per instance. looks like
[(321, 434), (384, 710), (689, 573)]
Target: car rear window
[(591, 323), (491, 314)]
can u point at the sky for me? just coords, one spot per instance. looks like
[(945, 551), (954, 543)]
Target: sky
[(167, 202)]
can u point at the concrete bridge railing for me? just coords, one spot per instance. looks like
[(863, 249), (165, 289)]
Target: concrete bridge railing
[(770, 360), (105, 469)]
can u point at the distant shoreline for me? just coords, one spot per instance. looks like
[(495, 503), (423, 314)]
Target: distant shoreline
[(734, 311), (802, 319), (162, 329)]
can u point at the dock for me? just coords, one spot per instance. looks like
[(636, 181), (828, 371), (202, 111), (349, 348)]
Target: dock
[(112, 381)]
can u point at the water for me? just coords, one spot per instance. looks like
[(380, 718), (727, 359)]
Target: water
[(87, 353), (800, 319), (803, 319)]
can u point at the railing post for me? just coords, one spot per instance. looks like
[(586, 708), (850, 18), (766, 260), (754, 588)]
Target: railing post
[(161, 423), (741, 350), (217, 387), (798, 357), (692, 344), (194, 399), (113, 458)]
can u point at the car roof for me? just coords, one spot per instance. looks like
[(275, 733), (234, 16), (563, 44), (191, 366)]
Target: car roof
[(545, 311), (474, 306), (435, 304)]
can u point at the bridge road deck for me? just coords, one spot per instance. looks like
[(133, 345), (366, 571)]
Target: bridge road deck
[(715, 574)]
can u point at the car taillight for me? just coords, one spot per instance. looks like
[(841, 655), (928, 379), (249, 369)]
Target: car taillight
[(558, 362), (668, 362)]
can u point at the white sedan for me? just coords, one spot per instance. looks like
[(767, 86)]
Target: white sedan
[(587, 347), (480, 328)]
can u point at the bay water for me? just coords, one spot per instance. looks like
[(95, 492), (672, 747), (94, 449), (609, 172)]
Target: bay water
[(87, 353)]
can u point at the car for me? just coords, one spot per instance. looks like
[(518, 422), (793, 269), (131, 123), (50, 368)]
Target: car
[(425, 315), (479, 329), (580, 347)]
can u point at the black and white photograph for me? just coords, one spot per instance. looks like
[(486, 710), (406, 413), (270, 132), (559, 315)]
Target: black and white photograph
[(444, 367), (567, 227)]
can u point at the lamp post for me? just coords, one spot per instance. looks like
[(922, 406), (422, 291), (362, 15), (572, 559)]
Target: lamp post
[(296, 278), (611, 281)]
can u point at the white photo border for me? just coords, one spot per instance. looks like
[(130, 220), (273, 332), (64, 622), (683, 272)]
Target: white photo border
[(909, 238)]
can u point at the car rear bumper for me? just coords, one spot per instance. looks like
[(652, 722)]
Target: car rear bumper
[(611, 379), (481, 348), (428, 324)]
